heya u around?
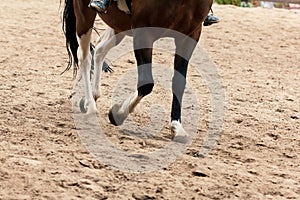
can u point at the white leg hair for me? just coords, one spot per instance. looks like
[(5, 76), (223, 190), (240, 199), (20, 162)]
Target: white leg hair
[(129, 104), (103, 45), (120, 112), (84, 61), (179, 134)]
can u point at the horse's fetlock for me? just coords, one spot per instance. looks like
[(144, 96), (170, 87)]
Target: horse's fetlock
[(146, 89)]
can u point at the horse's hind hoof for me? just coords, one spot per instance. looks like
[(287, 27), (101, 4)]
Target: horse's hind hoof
[(81, 105)]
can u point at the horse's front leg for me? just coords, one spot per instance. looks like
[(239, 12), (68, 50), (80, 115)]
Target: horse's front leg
[(84, 62), (184, 50), (107, 41), (119, 113)]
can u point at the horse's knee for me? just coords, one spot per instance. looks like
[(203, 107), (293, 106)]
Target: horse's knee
[(145, 89)]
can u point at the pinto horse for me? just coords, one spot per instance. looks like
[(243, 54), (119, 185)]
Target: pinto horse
[(183, 16)]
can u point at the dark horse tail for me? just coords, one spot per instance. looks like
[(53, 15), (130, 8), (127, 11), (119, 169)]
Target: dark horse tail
[(69, 28)]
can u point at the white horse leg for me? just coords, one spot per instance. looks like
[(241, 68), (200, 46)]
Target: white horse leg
[(84, 62), (107, 41)]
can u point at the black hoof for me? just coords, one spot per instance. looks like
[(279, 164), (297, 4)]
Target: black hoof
[(81, 105), (111, 118), (115, 119)]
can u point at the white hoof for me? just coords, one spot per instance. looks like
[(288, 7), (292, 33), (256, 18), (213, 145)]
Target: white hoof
[(179, 133)]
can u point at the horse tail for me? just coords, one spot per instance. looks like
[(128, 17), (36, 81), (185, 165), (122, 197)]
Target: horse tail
[(69, 29)]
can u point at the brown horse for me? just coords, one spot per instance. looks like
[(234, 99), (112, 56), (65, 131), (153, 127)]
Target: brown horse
[(182, 16)]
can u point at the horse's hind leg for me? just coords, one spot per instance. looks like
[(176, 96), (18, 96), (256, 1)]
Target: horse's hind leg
[(107, 41), (184, 50), (85, 18), (145, 84), (84, 61)]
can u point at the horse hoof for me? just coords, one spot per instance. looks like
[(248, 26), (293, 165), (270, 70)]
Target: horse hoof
[(180, 135), (111, 118), (81, 105), (112, 115), (115, 118), (181, 139)]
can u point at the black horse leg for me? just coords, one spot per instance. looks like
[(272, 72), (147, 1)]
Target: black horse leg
[(143, 44), (184, 50), (143, 53), (178, 86), (145, 80)]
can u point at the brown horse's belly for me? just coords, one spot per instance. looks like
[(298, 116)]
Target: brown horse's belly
[(182, 16)]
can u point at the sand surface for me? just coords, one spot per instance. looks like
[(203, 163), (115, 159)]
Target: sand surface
[(256, 157)]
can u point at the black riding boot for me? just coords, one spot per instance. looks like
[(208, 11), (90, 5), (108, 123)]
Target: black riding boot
[(210, 19), (100, 5)]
